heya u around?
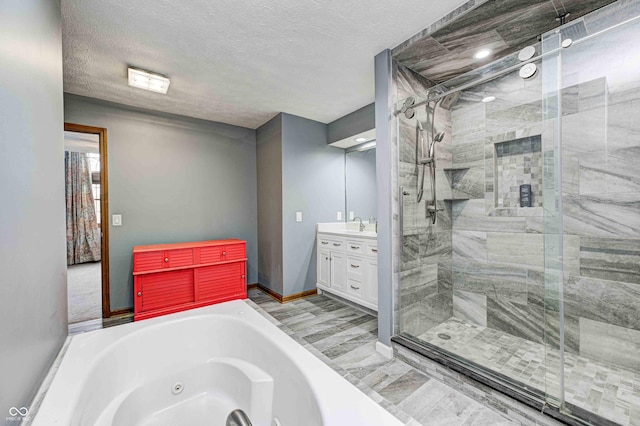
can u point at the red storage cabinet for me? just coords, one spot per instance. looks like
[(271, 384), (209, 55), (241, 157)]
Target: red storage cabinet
[(170, 278)]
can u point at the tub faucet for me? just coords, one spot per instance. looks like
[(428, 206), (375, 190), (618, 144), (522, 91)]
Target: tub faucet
[(238, 418), (362, 225)]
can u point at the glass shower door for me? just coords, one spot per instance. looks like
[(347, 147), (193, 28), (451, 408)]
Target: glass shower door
[(592, 226)]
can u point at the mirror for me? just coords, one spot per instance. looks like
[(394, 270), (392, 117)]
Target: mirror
[(360, 182)]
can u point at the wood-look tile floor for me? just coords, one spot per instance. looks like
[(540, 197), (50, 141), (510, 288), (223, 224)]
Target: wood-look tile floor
[(344, 338)]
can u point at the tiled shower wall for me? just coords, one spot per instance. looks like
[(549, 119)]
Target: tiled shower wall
[(425, 293), (498, 253), (483, 261)]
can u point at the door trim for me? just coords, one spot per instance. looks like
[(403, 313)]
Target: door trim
[(104, 207)]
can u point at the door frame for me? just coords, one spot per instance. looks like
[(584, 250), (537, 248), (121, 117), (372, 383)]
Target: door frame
[(104, 207)]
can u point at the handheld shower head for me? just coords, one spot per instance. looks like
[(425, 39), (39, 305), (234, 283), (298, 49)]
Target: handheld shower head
[(438, 137)]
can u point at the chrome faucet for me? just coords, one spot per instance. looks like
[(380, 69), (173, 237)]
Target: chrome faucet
[(238, 418), (362, 225)]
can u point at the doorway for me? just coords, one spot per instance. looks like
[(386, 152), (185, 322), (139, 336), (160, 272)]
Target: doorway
[(87, 212)]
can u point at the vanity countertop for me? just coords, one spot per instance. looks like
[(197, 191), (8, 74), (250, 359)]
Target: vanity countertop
[(350, 233)]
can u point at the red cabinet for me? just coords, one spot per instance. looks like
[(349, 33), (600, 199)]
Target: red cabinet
[(174, 277)]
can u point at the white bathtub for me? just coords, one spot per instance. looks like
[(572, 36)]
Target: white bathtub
[(195, 367)]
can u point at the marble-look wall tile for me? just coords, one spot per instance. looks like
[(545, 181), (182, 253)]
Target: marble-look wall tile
[(468, 183), (515, 248), (606, 215), (471, 307), (610, 343), (470, 216), (520, 320), (500, 281), (610, 259), (418, 283), (469, 245), (611, 302), (434, 246), (469, 152), (445, 276)]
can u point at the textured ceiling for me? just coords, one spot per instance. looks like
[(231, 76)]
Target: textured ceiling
[(238, 62), (505, 26)]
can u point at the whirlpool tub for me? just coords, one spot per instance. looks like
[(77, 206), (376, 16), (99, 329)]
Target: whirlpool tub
[(195, 368)]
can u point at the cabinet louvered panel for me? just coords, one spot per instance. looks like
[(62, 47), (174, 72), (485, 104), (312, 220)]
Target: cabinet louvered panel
[(211, 254), (181, 257), (166, 289), (220, 281), (148, 261), (172, 277), (234, 252)]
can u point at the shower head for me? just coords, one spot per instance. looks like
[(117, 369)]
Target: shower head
[(447, 101)]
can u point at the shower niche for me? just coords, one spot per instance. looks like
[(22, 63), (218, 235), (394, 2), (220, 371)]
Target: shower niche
[(517, 162)]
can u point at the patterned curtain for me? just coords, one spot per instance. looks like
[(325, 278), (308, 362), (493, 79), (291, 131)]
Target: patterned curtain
[(83, 233)]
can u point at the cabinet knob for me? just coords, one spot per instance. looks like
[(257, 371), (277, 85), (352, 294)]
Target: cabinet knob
[(166, 260), (242, 276), (224, 253), (139, 293)]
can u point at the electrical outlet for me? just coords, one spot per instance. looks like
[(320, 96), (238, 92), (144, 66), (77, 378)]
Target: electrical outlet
[(351, 215), (116, 220), (339, 216), (298, 216)]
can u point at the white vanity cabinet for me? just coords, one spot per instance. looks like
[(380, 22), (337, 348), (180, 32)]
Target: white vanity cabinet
[(348, 267)]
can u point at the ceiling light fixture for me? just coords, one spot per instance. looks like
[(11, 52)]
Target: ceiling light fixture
[(360, 139), (481, 54), (148, 80), (488, 99)]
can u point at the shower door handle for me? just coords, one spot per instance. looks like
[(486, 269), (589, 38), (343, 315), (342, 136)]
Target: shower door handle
[(403, 194)]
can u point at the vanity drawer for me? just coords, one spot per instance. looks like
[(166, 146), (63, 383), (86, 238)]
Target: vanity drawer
[(356, 247), (355, 267), (335, 244), (372, 249), (355, 287)]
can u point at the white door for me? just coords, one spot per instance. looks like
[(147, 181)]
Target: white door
[(324, 266), (338, 271)]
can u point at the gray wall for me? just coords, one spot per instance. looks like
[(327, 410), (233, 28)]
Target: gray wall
[(173, 179), (386, 173), (313, 183), (33, 296), (360, 177), (351, 124), (269, 163)]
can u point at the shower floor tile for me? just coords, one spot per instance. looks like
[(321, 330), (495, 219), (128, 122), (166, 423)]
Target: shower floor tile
[(606, 390), (344, 338)]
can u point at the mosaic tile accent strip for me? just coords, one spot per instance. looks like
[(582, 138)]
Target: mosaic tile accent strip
[(518, 162)]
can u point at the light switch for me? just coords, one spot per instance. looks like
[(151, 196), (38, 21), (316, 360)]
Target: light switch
[(339, 216), (298, 216), (116, 220)]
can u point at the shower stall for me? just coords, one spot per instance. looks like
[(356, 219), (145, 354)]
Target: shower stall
[(530, 276)]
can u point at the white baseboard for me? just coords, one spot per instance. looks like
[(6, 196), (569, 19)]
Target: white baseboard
[(384, 350)]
